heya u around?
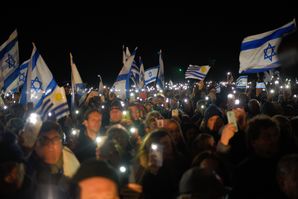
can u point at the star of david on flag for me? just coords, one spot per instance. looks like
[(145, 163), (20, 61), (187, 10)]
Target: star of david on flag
[(259, 52), (10, 61), (36, 84)]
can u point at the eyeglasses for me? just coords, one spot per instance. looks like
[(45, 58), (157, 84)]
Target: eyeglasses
[(46, 141)]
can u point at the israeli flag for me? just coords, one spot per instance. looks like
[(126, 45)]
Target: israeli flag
[(17, 78), (135, 73), (9, 59), (160, 77), (241, 82), (150, 75), (142, 75), (77, 85), (42, 90), (259, 52), (196, 72), (121, 86)]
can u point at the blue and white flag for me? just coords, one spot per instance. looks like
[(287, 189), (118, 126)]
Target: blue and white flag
[(77, 85), (17, 78), (142, 75), (100, 85), (241, 82), (259, 52), (121, 86), (9, 59), (135, 73), (42, 90), (196, 72), (150, 75), (160, 77)]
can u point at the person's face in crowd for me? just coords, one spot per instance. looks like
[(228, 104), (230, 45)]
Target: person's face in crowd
[(214, 123), (93, 124), (267, 144), (13, 175), (115, 115), (174, 131), (98, 187), (168, 150), (134, 112), (289, 185), (49, 147), (121, 139), (148, 107)]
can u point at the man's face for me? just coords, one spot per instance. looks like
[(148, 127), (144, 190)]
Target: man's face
[(267, 144), (134, 112), (214, 123), (49, 147), (93, 122), (115, 115), (98, 187)]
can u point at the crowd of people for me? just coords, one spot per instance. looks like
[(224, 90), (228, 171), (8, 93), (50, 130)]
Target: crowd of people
[(172, 143)]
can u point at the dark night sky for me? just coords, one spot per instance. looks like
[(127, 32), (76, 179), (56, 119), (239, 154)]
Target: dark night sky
[(187, 34)]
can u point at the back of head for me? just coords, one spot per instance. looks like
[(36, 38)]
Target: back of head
[(98, 179), (201, 183)]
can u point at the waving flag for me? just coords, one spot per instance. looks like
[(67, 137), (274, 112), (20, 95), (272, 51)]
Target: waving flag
[(77, 85), (150, 75), (259, 52), (121, 86), (135, 73), (241, 82), (42, 90), (160, 77), (100, 85), (17, 78), (196, 72), (9, 59), (142, 75)]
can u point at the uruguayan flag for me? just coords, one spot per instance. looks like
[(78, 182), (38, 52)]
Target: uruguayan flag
[(259, 52), (160, 77), (142, 75), (77, 85), (17, 78), (121, 86), (151, 75), (241, 82), (196, 72), (9, 59), (42, 90)]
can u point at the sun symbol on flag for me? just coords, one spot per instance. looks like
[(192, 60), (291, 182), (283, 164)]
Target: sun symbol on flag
[(58, 97), (10, 61), (203, 69), (269, 52), (36, 84)]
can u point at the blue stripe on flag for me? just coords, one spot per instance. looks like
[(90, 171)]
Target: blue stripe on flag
[(259, 42), (44, 105), (8, 47), (46, 111), (52, 85), (34, 59), (58, 107), (258, 70)]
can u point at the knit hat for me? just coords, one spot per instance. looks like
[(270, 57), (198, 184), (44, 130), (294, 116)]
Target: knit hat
[(201, 183), (211, 111), (96, 168)]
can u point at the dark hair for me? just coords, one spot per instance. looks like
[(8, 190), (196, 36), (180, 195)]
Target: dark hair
[(49, 126), (89, 111), (256, 125)]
